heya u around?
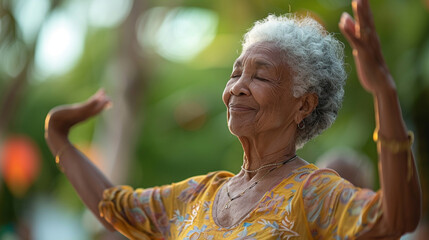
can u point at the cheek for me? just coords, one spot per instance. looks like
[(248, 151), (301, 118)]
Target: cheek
[(288, 107), (276, 104), (267, 97), (226, 95)]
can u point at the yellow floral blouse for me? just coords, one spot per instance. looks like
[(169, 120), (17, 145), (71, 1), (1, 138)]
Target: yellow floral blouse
[(310, 203)]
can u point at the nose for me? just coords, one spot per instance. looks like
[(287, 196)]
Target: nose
[(240, 87)]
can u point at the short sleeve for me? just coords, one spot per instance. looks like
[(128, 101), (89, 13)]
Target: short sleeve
[(140, 213), (335, 209), (151, 213)]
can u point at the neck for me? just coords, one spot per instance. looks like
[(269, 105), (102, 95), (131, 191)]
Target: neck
[(260, 151)]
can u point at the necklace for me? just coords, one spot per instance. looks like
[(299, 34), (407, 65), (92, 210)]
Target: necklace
[(268, 165), (277, 165)]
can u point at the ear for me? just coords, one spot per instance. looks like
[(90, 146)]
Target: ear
[(308, 102)]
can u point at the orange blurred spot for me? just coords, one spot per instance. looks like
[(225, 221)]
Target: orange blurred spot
[(20, 163)]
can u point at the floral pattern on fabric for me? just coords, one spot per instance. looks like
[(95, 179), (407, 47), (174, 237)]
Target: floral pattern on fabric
[(284, 230), (271, 204), (244, 234), (308, 204), (337, 209)]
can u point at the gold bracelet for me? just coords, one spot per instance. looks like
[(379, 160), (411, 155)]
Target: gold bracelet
[(398, 146), (393, 145), (58, 155)]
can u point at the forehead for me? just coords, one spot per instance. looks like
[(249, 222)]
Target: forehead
[(264, 54)]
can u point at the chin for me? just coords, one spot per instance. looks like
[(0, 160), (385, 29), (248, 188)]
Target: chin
[(240, 130), (240, 124)]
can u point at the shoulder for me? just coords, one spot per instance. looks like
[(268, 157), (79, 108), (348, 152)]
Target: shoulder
[(324, 184), (210, 178), (335, 207), (293, 181), (320, 178), (190, 188), (325, 194)]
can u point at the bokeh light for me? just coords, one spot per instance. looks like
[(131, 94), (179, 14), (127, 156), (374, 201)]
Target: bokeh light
[(178, 34), (108, 13), (20, 163), (17, 56), (30, 15), (60, 43)]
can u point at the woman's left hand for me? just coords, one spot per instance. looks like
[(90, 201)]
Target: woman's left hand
[(362, 36), (401, 194)]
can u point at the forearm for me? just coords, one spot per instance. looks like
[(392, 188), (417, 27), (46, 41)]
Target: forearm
[(88, 181), (398, 175)]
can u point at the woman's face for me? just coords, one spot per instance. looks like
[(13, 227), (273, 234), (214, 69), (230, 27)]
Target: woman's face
[(259, 95)]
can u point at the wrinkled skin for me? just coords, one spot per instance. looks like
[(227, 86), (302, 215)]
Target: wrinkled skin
[(262, 111), (263, 114), (258, 95)]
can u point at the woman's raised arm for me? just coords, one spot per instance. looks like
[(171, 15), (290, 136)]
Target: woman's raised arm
[(398, 176), (88, 181)]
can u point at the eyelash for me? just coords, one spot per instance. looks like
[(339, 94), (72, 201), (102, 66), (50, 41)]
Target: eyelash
[(261, 79), (258, 78)]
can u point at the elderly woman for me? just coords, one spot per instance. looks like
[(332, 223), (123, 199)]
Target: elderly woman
[(286, 88)]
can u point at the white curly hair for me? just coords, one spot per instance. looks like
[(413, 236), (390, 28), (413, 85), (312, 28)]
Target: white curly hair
[(317, 61)]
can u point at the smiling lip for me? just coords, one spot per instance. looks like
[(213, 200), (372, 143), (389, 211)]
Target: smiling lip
[(240, 108)]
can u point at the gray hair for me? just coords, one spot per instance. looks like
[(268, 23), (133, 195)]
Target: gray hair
[(317, 62)]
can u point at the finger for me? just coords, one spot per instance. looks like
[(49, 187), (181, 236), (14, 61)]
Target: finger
[(367, 28), (98, 102), (361, 28), (93, 106), (367, 13), (64, 117), (364, 19), (97, 95), (357, 18), (347, 27)]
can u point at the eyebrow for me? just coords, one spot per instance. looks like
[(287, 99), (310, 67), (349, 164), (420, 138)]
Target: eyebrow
[(261, 62), (238, 63), (258, 62)]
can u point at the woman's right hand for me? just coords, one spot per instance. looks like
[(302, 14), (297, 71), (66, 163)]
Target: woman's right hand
[(88, 181), (60, 119)]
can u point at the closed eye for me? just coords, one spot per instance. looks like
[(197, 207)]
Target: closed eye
[(261, 79), (235, 76)]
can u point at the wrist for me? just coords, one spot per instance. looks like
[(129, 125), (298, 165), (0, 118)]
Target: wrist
[(387, 94), (388, 112), (53, 126), (55, 139), (59, 153), (387, 88)]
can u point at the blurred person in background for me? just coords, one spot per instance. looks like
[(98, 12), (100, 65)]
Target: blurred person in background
[(350, 165), (285, 89)]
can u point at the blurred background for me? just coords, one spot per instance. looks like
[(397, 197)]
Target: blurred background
[(164, 64)]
